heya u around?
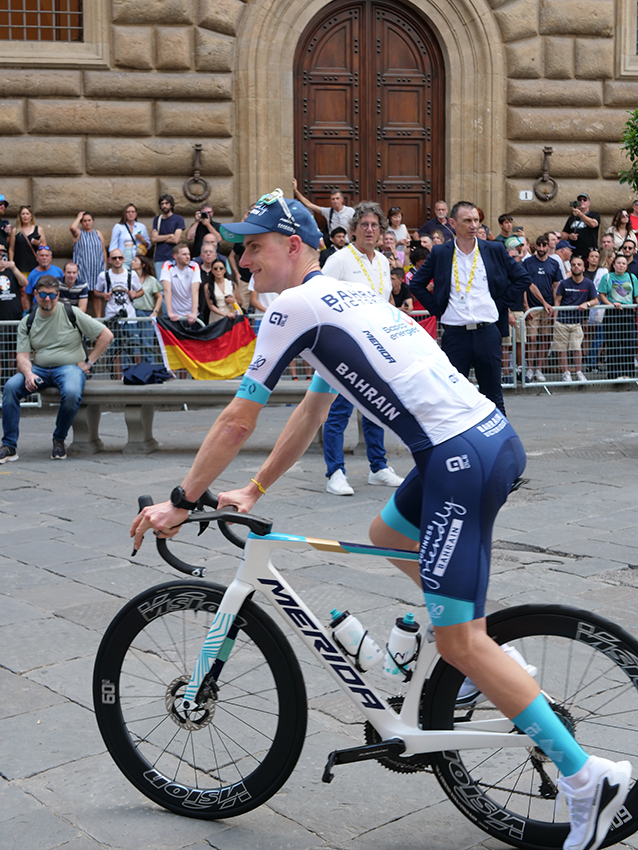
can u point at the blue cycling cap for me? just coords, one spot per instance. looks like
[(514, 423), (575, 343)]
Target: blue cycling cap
[(275, 214)]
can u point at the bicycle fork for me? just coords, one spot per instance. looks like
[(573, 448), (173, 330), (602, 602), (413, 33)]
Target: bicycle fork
[(219, 640)]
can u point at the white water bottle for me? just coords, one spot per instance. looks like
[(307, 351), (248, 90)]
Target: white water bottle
[(355, 640), (402, 648)]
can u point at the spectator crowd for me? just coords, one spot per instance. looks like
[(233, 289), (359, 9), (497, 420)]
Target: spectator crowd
[(178, 271)]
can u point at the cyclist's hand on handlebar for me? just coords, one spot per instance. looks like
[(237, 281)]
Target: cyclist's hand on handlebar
[(243, 499), (162, 518)]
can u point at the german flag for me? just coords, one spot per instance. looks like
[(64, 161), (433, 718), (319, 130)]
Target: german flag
[(221, 350)]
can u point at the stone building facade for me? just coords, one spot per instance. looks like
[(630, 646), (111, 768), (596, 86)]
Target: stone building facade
[(98, 125)]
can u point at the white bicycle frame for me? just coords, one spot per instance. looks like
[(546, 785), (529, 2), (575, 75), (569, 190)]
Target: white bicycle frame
[(256, 572)]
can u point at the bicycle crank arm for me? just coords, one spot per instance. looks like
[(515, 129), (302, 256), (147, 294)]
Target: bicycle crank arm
[(392, 747)]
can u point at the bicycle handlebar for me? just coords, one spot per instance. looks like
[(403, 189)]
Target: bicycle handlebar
[(222, 517)]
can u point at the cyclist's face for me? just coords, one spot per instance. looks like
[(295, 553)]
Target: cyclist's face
[(265, 257)]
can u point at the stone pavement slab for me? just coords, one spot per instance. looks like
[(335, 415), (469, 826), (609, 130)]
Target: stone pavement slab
[(66, 567)]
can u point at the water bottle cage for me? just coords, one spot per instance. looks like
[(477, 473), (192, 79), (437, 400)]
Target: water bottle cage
[(404, 667), (349, 654)]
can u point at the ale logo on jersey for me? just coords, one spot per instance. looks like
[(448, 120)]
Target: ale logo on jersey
[(279, 319), (456, 464)]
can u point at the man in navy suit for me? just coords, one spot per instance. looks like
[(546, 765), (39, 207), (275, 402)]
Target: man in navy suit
[(475, 282)]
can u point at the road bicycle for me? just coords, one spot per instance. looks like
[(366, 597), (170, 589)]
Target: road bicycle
[(201, 700)]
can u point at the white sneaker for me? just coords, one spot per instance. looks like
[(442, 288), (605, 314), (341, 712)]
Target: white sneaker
[(567, 377), (529, 375), (338, 484), (386, 477), (580, 377), (468, 692), (594, 796), (540, 376)]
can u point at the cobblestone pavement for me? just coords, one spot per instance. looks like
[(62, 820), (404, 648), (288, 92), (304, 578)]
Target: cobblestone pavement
[(65, 569)]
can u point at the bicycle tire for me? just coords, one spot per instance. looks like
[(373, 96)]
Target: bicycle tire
[(589, 667), (245, 745)]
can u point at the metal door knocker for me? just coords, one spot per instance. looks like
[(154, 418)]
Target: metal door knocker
[(196, 189), (546, 187)]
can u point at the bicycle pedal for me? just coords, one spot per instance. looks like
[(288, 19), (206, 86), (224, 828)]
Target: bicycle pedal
[(392, 747)]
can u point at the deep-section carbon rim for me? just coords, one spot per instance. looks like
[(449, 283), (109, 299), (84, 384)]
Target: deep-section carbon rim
[(244, 740), (589, 667)]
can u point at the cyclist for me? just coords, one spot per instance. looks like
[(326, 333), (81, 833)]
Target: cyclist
[(466, 456)]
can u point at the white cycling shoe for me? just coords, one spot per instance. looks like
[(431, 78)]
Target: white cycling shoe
[(469, 694), (594, 795)]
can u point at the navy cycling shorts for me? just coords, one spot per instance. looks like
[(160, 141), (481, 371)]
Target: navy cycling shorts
[(449, 503)]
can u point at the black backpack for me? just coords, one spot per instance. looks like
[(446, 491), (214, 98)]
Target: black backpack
[(69, 313)]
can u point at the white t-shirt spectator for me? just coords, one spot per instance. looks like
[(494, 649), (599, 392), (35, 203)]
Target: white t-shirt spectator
[(265, 298), (120, 299), (338, 219), (181, 281)]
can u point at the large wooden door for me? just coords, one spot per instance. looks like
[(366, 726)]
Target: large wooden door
[(369, 108)]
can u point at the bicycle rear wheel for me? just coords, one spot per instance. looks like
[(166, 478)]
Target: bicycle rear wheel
[(238, 750), (588, 669)]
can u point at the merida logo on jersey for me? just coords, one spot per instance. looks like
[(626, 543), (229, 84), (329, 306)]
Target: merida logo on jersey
[(382, 351), (386, 408)]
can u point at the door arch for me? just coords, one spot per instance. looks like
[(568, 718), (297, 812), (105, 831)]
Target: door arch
[(369, 108)]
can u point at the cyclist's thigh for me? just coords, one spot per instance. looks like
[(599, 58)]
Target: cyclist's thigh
[(467, 480)]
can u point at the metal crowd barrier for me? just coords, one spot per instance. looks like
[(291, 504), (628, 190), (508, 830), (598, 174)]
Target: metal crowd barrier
[(601, 345), (134, 341), (533, 358)]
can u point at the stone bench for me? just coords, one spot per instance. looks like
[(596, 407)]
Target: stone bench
[(139, 404)]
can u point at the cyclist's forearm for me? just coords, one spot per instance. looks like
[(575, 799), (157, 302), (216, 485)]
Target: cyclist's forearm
[(224, 440), (297, 435)]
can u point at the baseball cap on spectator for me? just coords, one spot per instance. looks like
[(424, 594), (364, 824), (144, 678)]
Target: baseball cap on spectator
[(564, 244), (4, 201), (275, 214), (513, 242), (582, 195), (338, 230)]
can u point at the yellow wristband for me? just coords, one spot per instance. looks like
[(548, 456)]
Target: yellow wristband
[(261, 488)]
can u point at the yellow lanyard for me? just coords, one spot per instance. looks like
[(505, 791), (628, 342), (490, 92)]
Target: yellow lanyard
[(365, 271), (455, 266)]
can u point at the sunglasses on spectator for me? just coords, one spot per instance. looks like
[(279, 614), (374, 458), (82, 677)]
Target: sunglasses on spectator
[(393, 210), (51, 295), (44, 248), (117, 257)]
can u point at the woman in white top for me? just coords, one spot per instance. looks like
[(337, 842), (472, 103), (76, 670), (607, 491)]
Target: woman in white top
[(222, 298), (130, 235), (397, 227), (621, 229)]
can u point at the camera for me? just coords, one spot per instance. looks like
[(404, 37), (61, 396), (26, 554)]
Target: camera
[(574, 204), (203, 215)]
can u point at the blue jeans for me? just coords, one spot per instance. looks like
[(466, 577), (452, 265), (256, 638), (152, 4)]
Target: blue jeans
[(69, 380), (333, 431), (147, 337)]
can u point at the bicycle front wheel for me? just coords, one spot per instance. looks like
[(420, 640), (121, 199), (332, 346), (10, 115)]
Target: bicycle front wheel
[(241, 745), (588, 669)]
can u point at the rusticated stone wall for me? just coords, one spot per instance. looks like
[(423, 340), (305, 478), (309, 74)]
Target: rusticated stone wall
[(562, 91), (521, 74), (99, 139)]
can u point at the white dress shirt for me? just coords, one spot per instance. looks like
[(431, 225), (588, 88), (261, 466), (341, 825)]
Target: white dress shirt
[(477, 305)]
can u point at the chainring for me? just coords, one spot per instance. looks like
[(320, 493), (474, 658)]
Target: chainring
[(399, 764)]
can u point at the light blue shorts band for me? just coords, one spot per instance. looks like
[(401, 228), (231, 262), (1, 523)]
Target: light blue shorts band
[(252, 391), (395, 520), (446, 611)]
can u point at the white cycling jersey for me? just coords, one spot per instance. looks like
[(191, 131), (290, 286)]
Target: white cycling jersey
[(378, 357)]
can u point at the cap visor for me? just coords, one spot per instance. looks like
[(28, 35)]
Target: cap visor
[(235, 232)]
